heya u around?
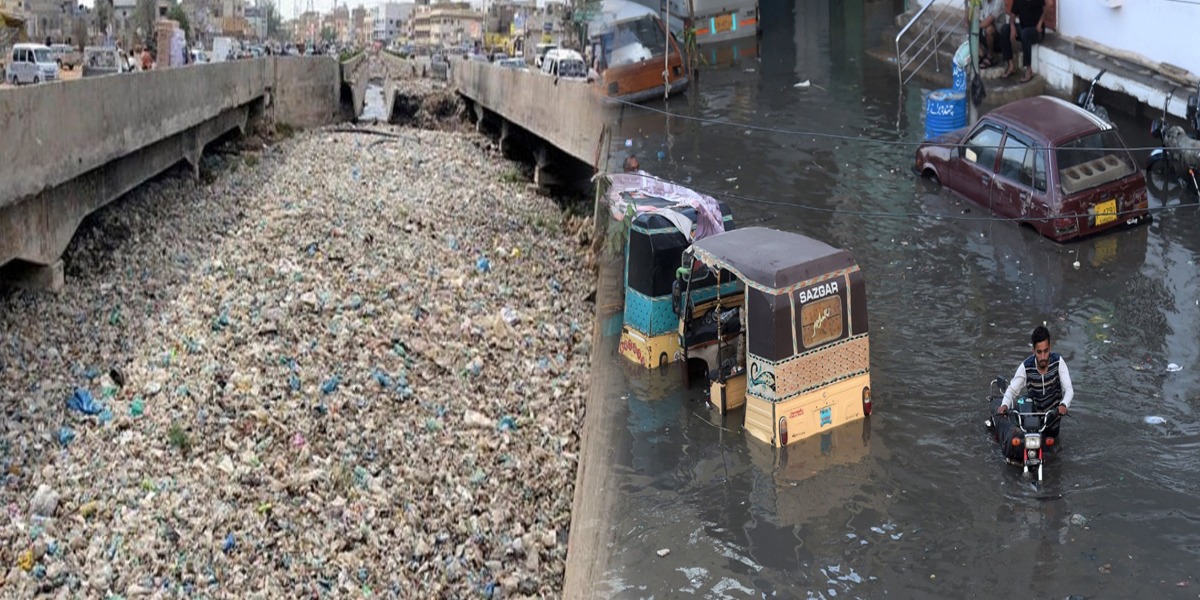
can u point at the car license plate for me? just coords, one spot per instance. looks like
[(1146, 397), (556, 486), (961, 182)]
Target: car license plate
[(723, 23), (1106, 212)]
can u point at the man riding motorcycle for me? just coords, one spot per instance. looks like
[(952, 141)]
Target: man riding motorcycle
[(1045, 380)]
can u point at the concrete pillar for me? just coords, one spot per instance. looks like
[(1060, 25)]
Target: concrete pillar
[(41, 278), (508, 139), (480, 117)]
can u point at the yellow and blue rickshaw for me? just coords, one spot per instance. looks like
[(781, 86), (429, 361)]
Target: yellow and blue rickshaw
[(649, 334), (792, 346)]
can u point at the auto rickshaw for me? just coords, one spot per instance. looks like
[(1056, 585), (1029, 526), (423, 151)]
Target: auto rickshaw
[(792, 346), (649, 334)]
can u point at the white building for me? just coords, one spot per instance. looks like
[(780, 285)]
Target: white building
[(1154, 34), (389, 20)]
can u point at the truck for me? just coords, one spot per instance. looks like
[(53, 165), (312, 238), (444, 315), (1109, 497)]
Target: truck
[(66, 55)]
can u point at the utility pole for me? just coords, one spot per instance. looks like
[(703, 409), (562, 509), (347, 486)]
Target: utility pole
[(667, 54), (973, 8)]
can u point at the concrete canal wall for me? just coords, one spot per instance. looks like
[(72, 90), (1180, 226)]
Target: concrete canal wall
[(72, 147), (566, 115)]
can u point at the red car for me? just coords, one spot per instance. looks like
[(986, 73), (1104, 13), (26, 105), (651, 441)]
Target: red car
[(1045, 163)]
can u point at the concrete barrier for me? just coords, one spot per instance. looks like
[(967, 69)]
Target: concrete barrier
[(57, 131), (355, 75), (72, 147), (306, 91), (568, 115)]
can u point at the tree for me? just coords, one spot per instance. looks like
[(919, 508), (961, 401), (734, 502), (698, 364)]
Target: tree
[(145, 15), (80, 31), (104, 11), (274, 21), (178, 15), (577, 17), (328, 34)]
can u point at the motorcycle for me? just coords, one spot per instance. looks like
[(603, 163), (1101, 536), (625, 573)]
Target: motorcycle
[(1022, 431), (1179, 156), (1087, 100)]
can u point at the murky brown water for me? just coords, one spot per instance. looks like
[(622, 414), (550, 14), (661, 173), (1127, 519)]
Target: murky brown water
[(915, 502)]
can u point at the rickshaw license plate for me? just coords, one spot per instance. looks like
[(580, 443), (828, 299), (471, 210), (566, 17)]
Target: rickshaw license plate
[(723, 23), (1106, 212)]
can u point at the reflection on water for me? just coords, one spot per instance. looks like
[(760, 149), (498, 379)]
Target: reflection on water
[(922, 506)]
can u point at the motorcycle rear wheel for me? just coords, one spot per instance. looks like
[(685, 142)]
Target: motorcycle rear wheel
[(1161, 178)]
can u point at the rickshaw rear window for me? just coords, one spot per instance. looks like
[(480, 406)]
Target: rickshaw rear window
[(821, 321)]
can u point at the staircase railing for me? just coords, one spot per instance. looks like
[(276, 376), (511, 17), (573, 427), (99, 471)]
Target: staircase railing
[(925, 37)]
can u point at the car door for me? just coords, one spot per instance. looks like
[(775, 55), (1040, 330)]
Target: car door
[(25, 65), (1015, 191), (976, 163)]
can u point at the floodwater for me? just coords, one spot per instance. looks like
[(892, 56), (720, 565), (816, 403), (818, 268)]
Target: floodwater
[(914, 502)]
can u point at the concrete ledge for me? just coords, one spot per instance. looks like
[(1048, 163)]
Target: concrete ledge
[(38, 229), (57, 131), (568, 116), (595, 496), (354, 75)]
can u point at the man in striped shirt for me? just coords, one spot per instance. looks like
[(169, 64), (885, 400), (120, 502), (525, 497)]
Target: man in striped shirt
[(1044, 379)]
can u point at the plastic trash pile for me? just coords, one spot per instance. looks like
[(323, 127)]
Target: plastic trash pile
[(293, 381)]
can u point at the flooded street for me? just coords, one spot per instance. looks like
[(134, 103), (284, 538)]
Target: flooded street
[(914, 502)]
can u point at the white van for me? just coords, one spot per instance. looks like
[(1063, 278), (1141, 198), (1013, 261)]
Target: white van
[(565, 64), (30, 63)]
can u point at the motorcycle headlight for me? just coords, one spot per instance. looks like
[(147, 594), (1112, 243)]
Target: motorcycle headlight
[(1033, 442)]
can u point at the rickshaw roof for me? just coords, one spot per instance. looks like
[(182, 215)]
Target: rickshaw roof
[(771, 260)]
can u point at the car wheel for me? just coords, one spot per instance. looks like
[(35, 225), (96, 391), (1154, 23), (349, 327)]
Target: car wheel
[(36, 80)]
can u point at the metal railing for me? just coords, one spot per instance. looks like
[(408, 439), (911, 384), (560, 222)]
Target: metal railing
[(928, 35)]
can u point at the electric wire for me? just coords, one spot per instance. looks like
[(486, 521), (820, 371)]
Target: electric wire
[(1150, 210), (859, 138)]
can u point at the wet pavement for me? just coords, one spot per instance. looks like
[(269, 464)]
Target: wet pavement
[(915, 502)]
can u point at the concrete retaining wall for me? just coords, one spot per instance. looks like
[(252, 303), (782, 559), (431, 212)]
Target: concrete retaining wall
[(55, 132), (568, 115), (306, 92), (72, 147)]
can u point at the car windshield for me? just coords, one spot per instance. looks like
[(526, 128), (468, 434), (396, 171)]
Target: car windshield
[(633, 41), (42, 55), (1091, 160), (571, 68)]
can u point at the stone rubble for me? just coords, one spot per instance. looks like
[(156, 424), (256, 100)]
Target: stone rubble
[(311, 384)]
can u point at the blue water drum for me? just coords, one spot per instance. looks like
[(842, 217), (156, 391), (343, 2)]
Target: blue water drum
[(945, 110), (960, 77)]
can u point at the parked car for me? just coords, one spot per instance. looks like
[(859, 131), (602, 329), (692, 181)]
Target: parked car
[(66, 56), (30, 63), (1045, 163), (565, 64)]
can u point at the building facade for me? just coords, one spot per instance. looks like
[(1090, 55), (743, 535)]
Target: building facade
[(454, 23), (390, 19)]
